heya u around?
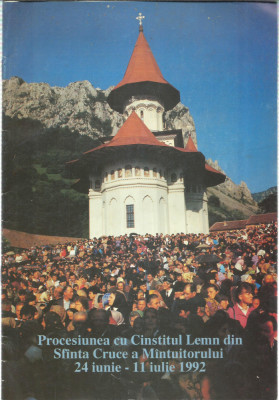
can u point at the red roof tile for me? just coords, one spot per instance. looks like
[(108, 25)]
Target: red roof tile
[(228, 225), (142, 65), (211, 169), (133, 131), (241, 224), (262, 219), (144, 78), (190, 146)]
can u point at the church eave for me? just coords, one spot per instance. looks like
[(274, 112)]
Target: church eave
[(164, 92), (170, 156), (213, 178)]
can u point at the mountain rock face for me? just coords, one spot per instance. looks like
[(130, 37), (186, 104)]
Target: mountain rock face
[(179, 118), (237, 198), (79, 106), (82, 108), (238, 192), (263, 195)]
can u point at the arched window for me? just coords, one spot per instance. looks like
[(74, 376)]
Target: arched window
[(119, 172), (141, 114), (97, 184), (154, 172), (146, 171), (128, 171), (137, 171), (112, 175), (106, 177), (130, 215), (130, 212)]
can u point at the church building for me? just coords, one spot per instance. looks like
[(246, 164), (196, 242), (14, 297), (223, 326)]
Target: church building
[(144, 180)]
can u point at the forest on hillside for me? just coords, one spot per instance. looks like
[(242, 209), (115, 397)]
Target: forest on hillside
[(37, 193)]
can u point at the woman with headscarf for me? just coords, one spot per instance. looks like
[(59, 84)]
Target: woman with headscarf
[(117, 302)]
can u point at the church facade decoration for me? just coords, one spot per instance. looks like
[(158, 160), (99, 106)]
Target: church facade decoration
[(139, 181)]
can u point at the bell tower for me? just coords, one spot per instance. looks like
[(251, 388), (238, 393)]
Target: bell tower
[(143, 88)]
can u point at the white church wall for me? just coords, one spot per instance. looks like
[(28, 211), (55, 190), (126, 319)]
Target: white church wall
[(139, 184), (196, 209), (160, 205), (150, 111), (176, 202), (205, 213), (148, 208), (163, 216), (95, 214)]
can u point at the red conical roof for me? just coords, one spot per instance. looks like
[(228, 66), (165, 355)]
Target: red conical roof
[(135, 135), (133, 131), (142, 65), (143, 77), (190, 146)]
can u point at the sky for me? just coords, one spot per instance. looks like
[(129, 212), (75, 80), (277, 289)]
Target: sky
[(222, 57)]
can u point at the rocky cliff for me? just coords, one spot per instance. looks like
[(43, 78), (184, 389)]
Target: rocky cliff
[(260, 196), (79, 107), (82, 108), (239, 192)]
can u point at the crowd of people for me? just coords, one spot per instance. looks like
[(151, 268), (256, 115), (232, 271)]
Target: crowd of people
[(222, 285)]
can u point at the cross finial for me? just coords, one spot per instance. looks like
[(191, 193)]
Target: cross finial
[(140, 17)]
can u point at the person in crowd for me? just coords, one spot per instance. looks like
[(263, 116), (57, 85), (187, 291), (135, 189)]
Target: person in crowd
[(243, 307), (152, 286)]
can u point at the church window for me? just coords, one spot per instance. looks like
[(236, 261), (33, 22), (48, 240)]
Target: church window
[(173, 177), (155, 172), (120, 173), (128, 171), (146, 171), (137, 171), (97, 184), (130, 215), (141, 114), (112, 175)]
